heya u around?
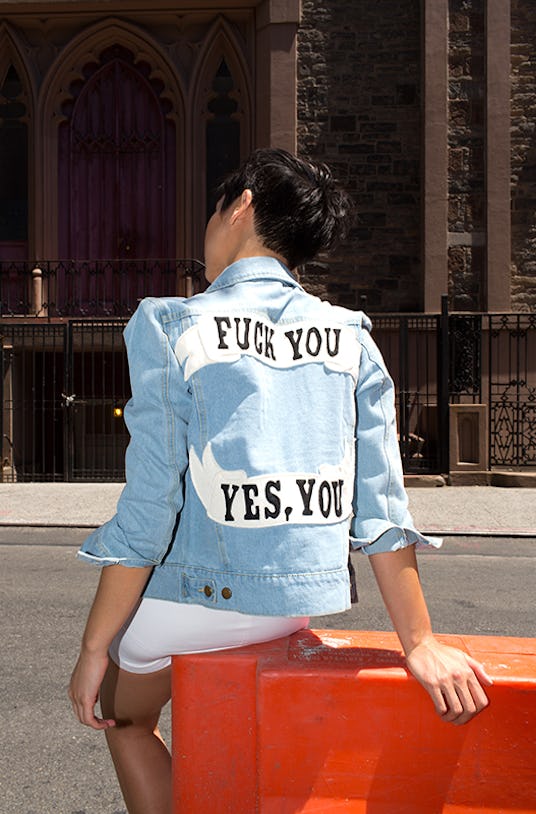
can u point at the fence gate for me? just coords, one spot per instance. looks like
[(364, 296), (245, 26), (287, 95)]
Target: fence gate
[(63, 389), (512, 389), (415, 349), (96, 390), (32, 418)]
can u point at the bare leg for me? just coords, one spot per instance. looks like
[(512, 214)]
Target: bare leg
[(141, 759)]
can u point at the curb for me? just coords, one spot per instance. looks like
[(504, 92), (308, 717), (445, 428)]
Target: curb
[(427, 532), (508, 480), (478, 533), (14, 524)]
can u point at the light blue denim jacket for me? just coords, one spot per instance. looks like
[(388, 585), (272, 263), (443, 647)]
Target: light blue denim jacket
[(263, 441)]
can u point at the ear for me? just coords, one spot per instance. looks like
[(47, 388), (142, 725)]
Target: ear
[(242, 205)]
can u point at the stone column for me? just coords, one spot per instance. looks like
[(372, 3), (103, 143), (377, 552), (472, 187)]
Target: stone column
[(435, 160), (276, 68), (498, 283)]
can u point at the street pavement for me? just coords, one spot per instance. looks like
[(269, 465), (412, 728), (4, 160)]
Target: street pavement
[(480, 582), (436, 510)]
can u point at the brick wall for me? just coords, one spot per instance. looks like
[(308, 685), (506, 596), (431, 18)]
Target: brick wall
[(523, 134), (359, 110)]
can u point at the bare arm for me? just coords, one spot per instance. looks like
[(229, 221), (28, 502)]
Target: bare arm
[(453, 679), (117, 594)]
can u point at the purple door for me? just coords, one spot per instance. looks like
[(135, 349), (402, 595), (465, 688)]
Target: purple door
[(117, 189)]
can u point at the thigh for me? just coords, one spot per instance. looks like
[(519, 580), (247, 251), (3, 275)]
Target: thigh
[(134, 698)]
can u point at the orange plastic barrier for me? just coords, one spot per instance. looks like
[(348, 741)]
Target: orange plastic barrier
[(330, 721)]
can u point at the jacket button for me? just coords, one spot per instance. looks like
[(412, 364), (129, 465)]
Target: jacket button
[(226, 593), (207, 590)]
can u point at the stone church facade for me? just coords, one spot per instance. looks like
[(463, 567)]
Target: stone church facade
[(425, 110), (117, 118)]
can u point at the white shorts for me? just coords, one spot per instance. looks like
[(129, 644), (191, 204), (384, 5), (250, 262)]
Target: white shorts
[(159, 629)]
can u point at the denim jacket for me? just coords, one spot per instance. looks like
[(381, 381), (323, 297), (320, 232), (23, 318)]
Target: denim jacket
[(263, 441)]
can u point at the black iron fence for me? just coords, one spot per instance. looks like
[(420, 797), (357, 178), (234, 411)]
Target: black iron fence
[(32, 373), (511, 360), (445, 359), (64, 385), (411, 347)]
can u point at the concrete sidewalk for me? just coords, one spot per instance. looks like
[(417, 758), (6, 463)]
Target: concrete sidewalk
[(445, 510)]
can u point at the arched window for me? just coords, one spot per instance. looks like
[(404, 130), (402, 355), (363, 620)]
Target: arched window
[(222, 132), (13, 159), (221, 119)]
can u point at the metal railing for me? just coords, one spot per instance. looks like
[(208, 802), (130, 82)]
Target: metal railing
[(64, 384), (92, 288), (444, 359), (511, 388), (411, 347)]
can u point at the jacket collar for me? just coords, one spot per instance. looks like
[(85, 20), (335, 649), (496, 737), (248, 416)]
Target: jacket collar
[(254, 268)]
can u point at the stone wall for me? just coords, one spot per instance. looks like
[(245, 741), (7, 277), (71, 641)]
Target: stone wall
[(466, 148), (359, 81), (359, 110), (523, 134)]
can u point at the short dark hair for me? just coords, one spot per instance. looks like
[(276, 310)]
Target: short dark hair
[(299, 209)]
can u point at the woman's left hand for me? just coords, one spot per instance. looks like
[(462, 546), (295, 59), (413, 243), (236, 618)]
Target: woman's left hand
[(453, 679), (84, 688)]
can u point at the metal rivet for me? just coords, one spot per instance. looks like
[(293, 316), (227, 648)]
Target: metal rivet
[(226, 593), (207, 590)]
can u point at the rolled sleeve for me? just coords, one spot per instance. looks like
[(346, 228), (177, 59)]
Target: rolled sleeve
[(382, 521), (156, 416)]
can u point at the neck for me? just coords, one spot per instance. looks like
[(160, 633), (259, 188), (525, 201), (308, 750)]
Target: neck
[(254, 248)]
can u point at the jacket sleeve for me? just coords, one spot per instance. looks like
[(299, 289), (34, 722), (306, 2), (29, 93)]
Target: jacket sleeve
[(381, 520), (157, 416)]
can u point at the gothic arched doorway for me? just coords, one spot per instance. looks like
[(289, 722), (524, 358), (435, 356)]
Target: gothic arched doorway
[(117, 185)]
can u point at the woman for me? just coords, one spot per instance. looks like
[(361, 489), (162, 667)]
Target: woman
[(263, 440)]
